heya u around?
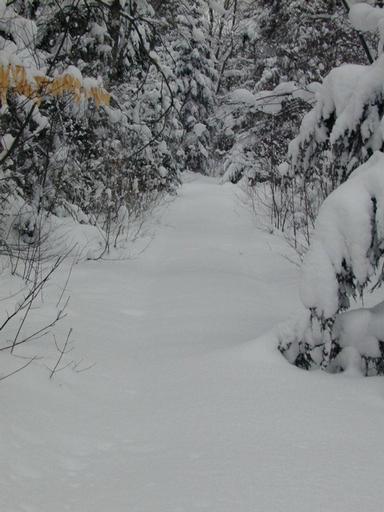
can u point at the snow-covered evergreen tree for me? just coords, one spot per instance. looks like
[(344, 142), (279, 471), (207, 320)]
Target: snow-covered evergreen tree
[(346, 252), (195, 77)]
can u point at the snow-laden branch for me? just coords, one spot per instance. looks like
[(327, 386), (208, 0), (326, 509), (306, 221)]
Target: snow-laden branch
[(271, 102)]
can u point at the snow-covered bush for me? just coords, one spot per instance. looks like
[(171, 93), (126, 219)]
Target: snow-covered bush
[(286, 48), (66, 143)]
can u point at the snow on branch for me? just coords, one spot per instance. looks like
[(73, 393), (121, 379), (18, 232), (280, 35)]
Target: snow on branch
[(366, 18), (271, 102), (347, 118)]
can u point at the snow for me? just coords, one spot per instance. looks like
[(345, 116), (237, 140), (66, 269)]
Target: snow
[(361, 328), (217, 7), (22, 30), (198, 35), (367, 18), (163, 172), (284, 169), (3, 7), (6, 142), (99, 31), (184, 410), (199, 129), (242, 96), (83, 240), (362, 83), (74, 72)]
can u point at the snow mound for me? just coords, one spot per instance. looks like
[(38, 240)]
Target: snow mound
[(362, 329)]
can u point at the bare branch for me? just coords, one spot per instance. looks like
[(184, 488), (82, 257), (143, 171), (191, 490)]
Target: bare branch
[(3, 377), (62, 352)]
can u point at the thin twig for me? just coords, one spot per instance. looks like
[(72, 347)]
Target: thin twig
[(62, 352), (18, 369)]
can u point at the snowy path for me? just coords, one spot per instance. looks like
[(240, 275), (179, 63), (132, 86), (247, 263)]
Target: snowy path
[(183, 412)]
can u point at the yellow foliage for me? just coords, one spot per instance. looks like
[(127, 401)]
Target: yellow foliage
[(16, 78), (20, 81), (99, 95), (4, 83)]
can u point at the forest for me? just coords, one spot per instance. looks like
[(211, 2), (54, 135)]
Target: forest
[(191, 254)]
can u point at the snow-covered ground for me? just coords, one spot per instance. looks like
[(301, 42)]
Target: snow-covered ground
[(189, 407)]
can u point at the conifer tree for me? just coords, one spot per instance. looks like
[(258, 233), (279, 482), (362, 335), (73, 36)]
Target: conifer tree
[(195, 77), (345, 257)]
